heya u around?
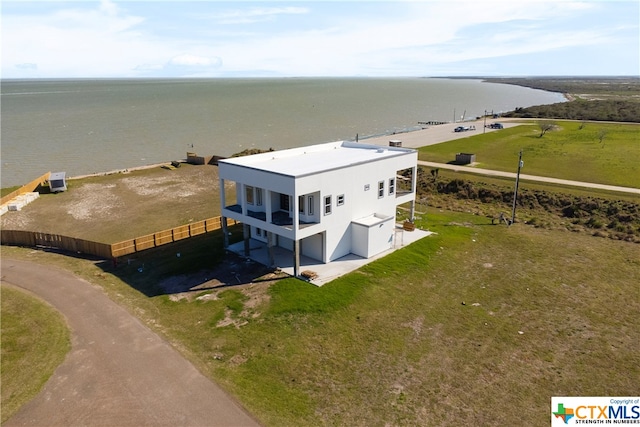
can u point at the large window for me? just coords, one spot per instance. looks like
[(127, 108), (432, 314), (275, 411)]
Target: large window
[(327, 205), (249, 194)]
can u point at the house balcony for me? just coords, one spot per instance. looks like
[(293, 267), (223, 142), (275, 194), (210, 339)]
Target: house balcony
[(279, 218)]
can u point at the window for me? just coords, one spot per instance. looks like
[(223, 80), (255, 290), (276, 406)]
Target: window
[(249, 194), (285, 202), (392, 185), (340, 200), (259, 196), (327, 205), (380, 189), (259, 231), (301, 204), (310, 207), (366, 187)]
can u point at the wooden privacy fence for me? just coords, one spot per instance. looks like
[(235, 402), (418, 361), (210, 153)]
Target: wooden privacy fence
[(167, 236), (115, 250), (27, 188), (35, 239)]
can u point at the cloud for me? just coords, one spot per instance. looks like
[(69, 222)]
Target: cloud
[(190, 65), (255, 14), (71, 42), (312, 38), (189, 60), (27, 66)]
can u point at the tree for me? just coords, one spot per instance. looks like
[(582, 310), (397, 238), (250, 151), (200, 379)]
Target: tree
[(545, 126), (601, 134)]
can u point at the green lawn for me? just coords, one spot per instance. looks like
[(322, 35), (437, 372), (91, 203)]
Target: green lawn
[(568, 153), (35, 340), (476, 325)]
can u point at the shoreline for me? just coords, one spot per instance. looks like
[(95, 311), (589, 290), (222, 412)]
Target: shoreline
[(411, 138), (438, 134), (120, 171)]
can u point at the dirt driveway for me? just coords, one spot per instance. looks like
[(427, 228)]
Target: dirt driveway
[(118, 372)]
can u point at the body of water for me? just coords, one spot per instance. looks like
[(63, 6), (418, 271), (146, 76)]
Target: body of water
[(92, 126)]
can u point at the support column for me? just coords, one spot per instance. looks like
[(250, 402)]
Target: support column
[(246, 231), (296, 214), (267, 206), (225, 232), (272, 258), (414, 183), (296, 258), (223, 196)]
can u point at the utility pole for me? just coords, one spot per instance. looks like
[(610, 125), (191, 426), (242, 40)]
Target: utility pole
[(484, 128), (515, 193)]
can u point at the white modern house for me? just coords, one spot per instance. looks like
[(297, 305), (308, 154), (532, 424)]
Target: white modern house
[(323, 201)]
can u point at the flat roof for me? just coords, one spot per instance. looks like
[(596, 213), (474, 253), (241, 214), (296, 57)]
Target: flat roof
[(57, 175), (313, 159)]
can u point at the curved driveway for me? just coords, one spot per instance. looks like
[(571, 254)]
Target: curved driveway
[(118, 372)]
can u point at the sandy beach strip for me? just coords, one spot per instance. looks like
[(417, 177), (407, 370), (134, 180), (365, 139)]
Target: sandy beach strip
[(436, 134)]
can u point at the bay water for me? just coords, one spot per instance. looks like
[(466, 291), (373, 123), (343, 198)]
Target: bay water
[(93, 126)]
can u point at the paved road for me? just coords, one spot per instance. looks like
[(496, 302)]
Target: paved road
[(436, 134), (442, 133), (118, 372), (523, 176)]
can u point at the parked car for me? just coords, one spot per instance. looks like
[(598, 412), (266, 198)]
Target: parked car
[(496, 126)]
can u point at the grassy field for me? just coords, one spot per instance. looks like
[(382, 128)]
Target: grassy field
[(443, 332), (478, 324), (568, 152), (34, 341)]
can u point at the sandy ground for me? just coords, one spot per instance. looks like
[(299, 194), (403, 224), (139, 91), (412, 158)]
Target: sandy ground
[(118, 203)]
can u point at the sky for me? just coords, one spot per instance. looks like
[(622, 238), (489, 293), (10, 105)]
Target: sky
[(207, 38)]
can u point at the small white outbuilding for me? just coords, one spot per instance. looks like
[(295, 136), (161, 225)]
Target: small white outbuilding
[(57, 182)]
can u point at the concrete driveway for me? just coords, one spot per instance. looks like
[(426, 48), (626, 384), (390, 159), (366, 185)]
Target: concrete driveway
[(118, 372)]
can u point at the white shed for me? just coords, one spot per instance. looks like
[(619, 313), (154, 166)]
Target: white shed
[(57, 182)]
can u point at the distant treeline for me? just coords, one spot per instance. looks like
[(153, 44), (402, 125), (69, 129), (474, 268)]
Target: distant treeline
[(595, 98), (579, 109), (625, 87)]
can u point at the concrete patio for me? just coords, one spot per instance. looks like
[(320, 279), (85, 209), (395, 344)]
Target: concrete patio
[(324, 272)]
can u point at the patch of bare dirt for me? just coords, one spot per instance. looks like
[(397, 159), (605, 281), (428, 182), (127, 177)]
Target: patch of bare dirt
[(95, 202), (416, 325), (170, 185)]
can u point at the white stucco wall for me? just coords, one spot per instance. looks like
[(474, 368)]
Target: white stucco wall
[(354, 174)]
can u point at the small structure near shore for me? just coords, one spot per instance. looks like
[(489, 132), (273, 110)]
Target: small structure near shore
[(194, 159), (465, 158), (58, 182)]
